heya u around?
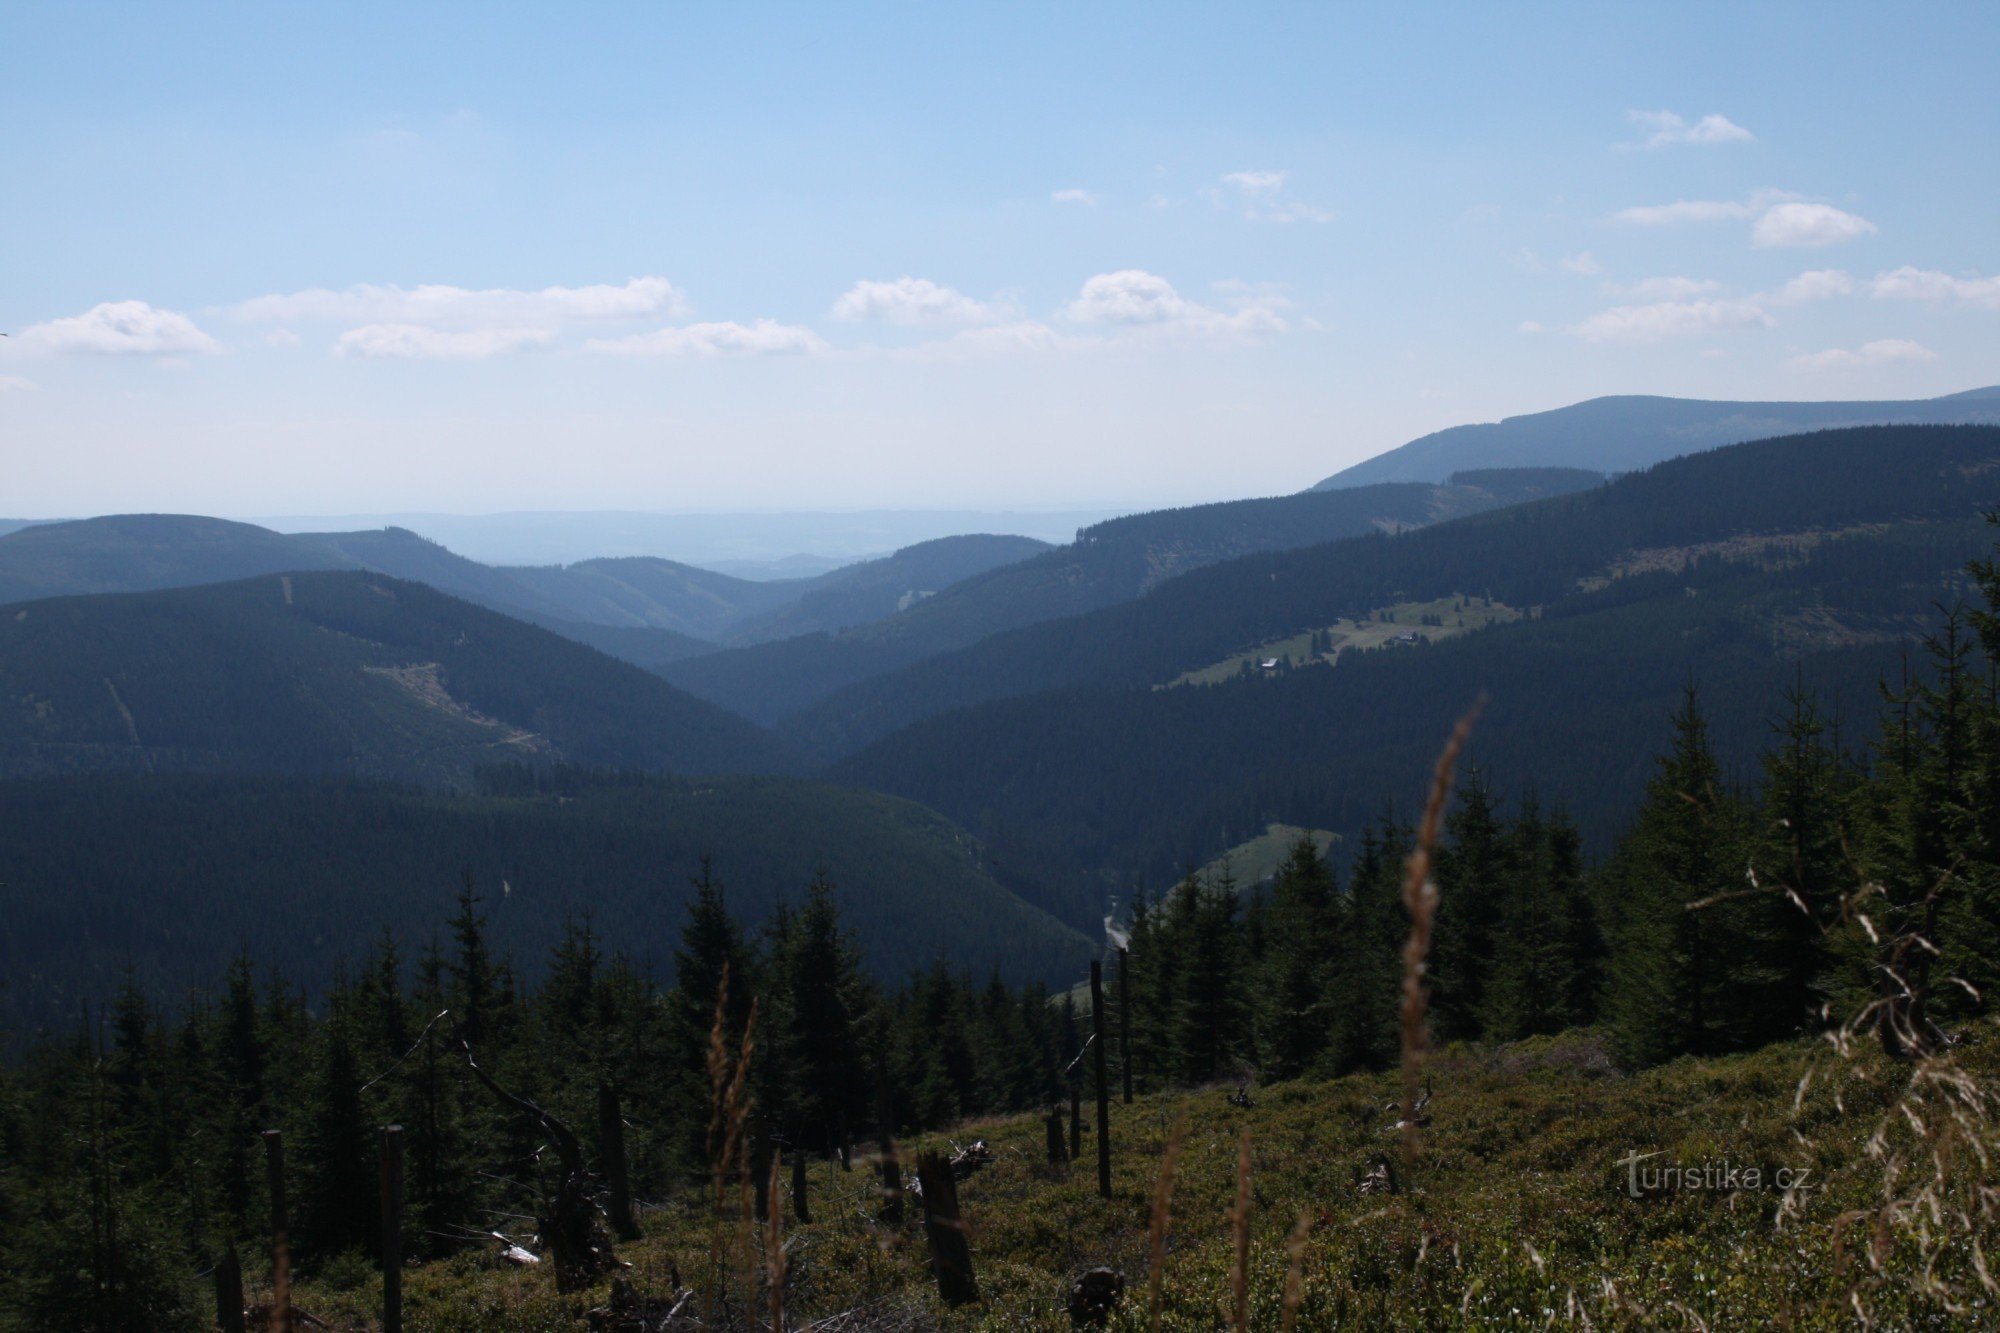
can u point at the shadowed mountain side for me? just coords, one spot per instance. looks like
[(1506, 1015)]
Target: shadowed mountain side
[(174, 874), (1109, 564), (1531, 555), (335, 672), (1620, 434), (1084, 791)]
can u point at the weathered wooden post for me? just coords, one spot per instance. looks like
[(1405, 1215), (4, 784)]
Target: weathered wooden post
[(281, 1245), (611, 1146), (1076, 1115), (1057, 1155), (885, 1159), (1103, 1083), (944, 1230), (229, 1291), (392, 1228), (1125, 1020), (800, 1208)]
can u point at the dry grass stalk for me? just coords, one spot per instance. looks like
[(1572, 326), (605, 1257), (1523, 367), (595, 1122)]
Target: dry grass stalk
[(1295, 1257), (729, 1108), (1239, 1220), (1163, 1196), (774, 1252), (1420, 897)]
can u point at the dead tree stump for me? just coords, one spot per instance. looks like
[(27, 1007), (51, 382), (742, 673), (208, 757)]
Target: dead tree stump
[(944, 1230)]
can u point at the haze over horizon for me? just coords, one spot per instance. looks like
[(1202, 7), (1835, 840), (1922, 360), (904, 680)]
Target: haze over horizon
[(469, 261)]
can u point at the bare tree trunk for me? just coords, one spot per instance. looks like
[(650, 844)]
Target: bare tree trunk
[(281, 1245), (1103, 1083), (392, 1229)]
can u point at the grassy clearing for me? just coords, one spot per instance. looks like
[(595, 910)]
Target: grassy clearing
[(1445, 618), (1514, 1212)]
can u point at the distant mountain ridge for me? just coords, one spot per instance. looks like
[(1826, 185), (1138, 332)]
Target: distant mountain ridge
[(1628, 432), (1110, 563), (644, 609)]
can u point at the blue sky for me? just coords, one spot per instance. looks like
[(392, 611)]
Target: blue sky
[(281, 258)]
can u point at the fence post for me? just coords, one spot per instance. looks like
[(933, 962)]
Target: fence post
[(281, 1245), (611, 1146), (800, 1208), (1125, 1020), (229, 1291), (392, 1228), (1103, 1083), (951, 1253)]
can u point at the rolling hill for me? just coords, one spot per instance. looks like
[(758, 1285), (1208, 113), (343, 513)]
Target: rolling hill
[(1818, 558), (646, 610), (1111, 563), (1619, 434), (171, 875), (334, 672)]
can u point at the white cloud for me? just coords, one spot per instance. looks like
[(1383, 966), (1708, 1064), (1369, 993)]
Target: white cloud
[(1264, 198), (281, 338), (15, 384), (1019, 336), (1073, 195), (1262, 184), (912, 301), (1816, 285), (1584, 263), (1666, 289), (764, 338), (445, 306), (1134, 298), (1682, 210), (415, 342), (127, 328), (1797, 224), (1883, 351), (1665, 128), (1919, 284), (1671, 319)]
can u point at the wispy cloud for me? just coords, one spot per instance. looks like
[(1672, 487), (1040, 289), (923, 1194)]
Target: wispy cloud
[(1782, 219), (1883, 351), (419, 342), (121, 328), (913, 301), (1921, 284), (15, 384), (1659, 320), (1135, 299), (1665, 129), (765, 337), (443, 306), (1585, 264), (1073, 195), (1808, 225), (1817, 284), (1664, 289), (1264, 198), (1682, 210)]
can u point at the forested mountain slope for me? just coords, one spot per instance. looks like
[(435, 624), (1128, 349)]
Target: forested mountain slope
[(173, 875), (1618, 434), (1109, 564), (334, 672), (1527, 556), (1106, 780)]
